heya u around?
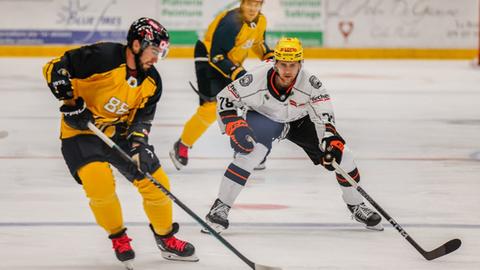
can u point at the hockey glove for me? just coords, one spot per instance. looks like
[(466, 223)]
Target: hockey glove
[(77, 116), (138, 133), (145, 158), (241, 135), (333, 150), (60, 85)]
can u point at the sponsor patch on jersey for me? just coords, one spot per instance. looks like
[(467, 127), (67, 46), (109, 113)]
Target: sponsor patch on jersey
[(315, 82), (248, 44), (295, 104), (320, 98), (217, 58), (233, 90), (246, 80)]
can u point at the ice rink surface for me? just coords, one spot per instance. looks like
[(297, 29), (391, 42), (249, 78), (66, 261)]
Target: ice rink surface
[(414, 127)]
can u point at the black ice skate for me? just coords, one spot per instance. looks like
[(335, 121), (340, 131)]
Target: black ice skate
[(123, 250), (173, 248), (179, 154), (367, 216), (217, 218)]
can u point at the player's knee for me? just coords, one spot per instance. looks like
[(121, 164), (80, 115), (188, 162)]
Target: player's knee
[(151, 194), (97, 180), (249, 161), (348, 162), (148, 190)]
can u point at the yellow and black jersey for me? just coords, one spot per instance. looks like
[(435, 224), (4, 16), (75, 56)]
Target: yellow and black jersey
[(229, 38), (116, 95)]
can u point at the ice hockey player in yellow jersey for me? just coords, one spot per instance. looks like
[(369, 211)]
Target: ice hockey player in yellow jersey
[(117, 88), (219, 61)]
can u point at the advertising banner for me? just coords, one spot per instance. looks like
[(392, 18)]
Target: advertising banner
[(26, 22), (402, 24), (68, 22), (318, 23)]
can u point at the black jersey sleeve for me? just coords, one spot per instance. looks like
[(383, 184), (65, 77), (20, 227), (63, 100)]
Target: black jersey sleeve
[(81, 63), (224, 40), (91, 59)]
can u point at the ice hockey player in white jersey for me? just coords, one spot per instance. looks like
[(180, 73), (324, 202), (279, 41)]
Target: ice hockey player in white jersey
[(282, 100)]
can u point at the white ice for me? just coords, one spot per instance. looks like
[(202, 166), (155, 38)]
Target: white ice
[(414, 127)]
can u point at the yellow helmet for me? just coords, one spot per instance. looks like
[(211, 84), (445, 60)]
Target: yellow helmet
[(288, 49)]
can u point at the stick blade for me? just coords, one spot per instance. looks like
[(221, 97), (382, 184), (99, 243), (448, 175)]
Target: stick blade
[(445, 249), (266, 267)]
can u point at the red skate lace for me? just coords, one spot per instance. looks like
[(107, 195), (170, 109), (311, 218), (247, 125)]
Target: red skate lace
[(174, 243), (182, 150), (122, 243)]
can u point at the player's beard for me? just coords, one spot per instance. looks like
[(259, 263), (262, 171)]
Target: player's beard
[(139, 64), (285, 82)]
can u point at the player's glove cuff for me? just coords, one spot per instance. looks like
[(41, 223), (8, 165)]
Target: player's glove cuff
[(77, 116), (237, 73)]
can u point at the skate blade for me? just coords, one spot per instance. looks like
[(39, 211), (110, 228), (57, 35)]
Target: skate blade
[(174, 257), (218, 228), (378, 227), (128, 264), (175, 162), (207, 232), (260, 167)]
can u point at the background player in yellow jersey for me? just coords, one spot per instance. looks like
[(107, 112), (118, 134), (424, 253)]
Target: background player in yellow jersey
[(117, 87), (218, 62)]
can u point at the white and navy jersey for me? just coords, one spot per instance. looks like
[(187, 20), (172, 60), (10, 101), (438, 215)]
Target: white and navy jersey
[(308, 96)]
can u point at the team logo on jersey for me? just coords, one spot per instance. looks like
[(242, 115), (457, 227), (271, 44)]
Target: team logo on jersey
[(233, 90), (315, 82), (246, 80), (320, 98), (248, 44), (217, 58), (132, 82)]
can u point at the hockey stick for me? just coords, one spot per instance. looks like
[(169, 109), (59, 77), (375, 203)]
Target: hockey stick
[(125, 156), (202, 96), (442, 250)]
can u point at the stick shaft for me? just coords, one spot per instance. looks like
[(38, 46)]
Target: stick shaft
[(172, 197), (394, 223)]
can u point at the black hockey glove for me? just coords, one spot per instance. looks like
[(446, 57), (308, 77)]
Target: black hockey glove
[(60, 84), (77, 116), (333, 150), (138, 133), (145, 158), (242, 138)]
